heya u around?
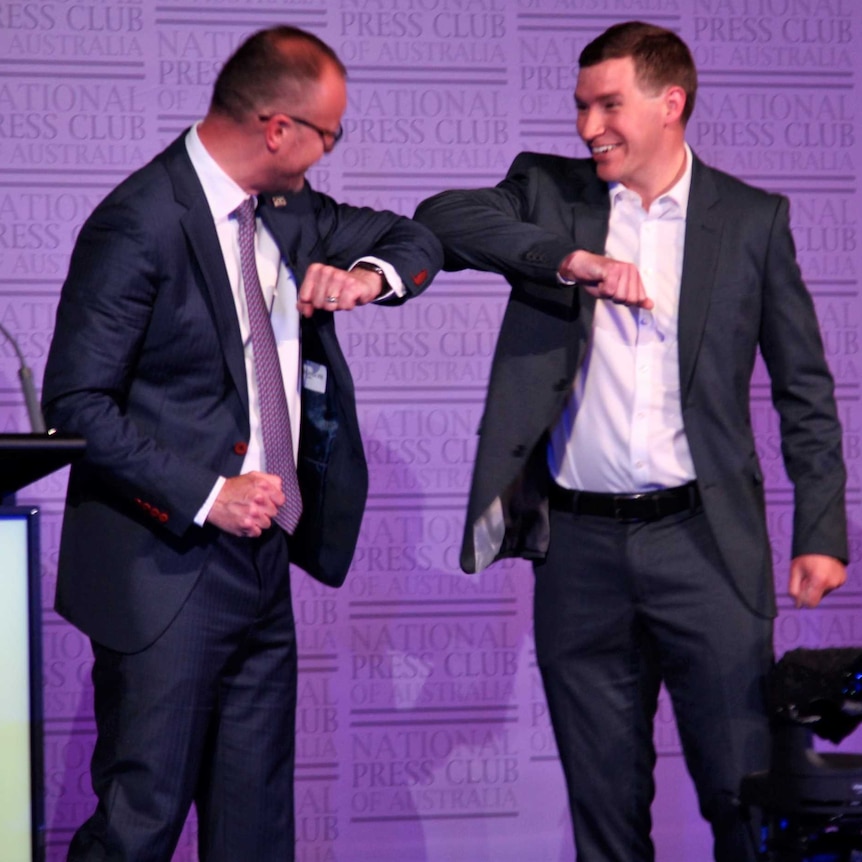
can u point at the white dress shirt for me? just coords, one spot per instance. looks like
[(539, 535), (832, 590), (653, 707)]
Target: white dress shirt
[(279, 293), (622, 429)]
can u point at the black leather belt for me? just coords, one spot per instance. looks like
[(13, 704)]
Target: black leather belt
[(648, 506)]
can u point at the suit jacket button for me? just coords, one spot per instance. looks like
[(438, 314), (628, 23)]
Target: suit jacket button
[(163, 517), (240, 447), (519, 451)]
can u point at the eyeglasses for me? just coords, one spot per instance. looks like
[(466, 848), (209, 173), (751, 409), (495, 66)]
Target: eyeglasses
[(329, 139)]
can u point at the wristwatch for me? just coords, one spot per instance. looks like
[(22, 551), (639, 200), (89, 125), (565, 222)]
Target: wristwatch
[(372, 267)]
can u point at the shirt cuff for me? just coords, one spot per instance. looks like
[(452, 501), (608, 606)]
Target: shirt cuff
[(203, 512), (393, 280)]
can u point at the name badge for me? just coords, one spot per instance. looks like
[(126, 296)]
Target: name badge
[(313, 376)]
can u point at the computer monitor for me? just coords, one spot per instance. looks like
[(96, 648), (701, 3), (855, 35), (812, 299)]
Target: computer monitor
[(21, 740)]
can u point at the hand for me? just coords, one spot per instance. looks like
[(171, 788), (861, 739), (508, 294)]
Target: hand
[(812, 576), (247, 504), (333, 289), (606, 278)]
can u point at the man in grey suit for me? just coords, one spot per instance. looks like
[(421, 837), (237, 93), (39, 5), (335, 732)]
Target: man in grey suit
[(195, 350), (616, 448)]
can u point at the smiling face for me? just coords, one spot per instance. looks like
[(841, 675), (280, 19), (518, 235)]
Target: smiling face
[(635, 137)]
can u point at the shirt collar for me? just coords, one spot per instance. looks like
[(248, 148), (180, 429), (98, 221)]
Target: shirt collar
[(675, 197), (222, 193)]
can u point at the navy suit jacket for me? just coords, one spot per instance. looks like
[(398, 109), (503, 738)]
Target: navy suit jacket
[(147, 364), (741, 291)]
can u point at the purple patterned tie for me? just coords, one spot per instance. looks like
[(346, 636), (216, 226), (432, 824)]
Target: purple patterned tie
[(274, 418)]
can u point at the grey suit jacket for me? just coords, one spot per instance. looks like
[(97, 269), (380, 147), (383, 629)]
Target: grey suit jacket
[(741, 291), (147, 364)]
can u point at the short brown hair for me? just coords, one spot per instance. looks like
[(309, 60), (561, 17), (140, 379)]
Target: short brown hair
[(661, 58), (272, 64)]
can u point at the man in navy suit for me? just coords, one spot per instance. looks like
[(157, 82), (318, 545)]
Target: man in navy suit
[(170, 560), (616, 449)]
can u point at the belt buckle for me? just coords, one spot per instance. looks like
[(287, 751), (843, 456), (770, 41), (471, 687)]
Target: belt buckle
[(619, 508)]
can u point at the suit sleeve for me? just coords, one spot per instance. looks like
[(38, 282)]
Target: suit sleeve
[(105, 310), (495, 230), (349, 232), (803, 394)]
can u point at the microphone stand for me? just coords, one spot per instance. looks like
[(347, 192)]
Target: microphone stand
[(25, 375)]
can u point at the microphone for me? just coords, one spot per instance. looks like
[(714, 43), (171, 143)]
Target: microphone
[(25, 375)]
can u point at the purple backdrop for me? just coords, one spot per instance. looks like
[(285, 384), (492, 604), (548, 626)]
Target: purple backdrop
[(423, 731)]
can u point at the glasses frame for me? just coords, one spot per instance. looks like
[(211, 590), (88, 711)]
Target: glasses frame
[(327, 137)]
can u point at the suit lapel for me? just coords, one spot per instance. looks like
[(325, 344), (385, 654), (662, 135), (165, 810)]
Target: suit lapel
[(590, 232), (206, 251), (700, 264), (291, 221)]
